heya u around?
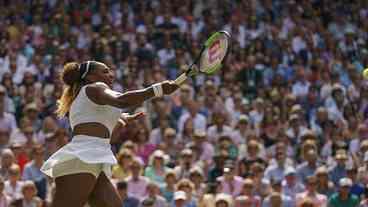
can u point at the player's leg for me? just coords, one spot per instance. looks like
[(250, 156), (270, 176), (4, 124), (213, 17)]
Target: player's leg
[(73, 190), (104, 193)]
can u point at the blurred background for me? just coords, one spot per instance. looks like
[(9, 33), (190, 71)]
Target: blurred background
[(282, 124)]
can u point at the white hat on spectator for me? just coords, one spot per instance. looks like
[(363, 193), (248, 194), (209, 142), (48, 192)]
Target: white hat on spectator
[(141, 29), (180, 195), (345, 182), (158, 154), (223, 197), (196, 171), (366, 156), (290, 171), (243, 118)]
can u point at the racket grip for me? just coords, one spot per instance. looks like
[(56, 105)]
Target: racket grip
[(180, 80)]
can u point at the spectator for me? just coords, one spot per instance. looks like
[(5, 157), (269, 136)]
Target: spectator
[(148, 202), (13, 186), (167, 191), (277, 195), (324, 185), (208, 199), (157, 169), (344, 197), (32, 171), (356, 189), (179, 199), (310, 192), (362, 170), (7, 160), (247, 193), (29, 198), (231, 184), (137, 183), (199, 121), (186, 161), (309, 166), (339, 171), (187, 186), (197, 178), (122, 169), (277, 170), (168, 144), (152, 190), (128, 200), (4, 199), (289, 94), (291, 186), (223, 200), (7, 120), (206, 149)]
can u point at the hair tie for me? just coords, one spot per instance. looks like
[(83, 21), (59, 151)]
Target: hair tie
[(86, 70)]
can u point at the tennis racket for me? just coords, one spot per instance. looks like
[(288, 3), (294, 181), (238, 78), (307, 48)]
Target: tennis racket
[(210, 58)]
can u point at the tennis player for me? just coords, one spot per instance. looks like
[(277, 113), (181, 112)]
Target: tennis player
[(81, 168)]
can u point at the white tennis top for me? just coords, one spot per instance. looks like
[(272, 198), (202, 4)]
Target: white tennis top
[(83, 110)]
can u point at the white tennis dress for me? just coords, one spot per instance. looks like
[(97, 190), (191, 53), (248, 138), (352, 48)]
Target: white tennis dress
[(85, 153)]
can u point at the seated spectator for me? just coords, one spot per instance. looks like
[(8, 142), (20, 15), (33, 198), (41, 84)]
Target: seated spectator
[(167, 191), (219, 127), (187, 186), (231, 184), (169, 145), (128, 201), (13, 186), (7, 120), (357, 188), (339, 170), (275, 195), (291, 186), (324, 185), (7, 160), (186, 161), (29, 198), (137, 183), (223, 200), (277, 171), (179, 199), (208, 199), (4, 199), (197, 178), (248, 193), (310, 192), (152, 190), (144, 148), (343, 197), (32, 171), (157, 169), (122, 170)]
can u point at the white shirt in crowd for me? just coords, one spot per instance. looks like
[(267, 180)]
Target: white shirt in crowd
[(7, 122), (213, 134), (165, 54), (300, 89), (13, 192), (199, 122)]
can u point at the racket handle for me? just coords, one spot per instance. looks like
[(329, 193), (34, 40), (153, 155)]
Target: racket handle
[(180, 80)]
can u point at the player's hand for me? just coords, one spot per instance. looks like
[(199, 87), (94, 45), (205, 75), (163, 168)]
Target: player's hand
[(169, 87), (125, 118)]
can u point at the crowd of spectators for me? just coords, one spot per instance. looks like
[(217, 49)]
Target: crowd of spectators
[(283, 124)]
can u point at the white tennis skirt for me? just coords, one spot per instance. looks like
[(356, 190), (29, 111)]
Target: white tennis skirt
[(84, 154)]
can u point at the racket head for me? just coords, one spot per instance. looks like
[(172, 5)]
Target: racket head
[(214, 53)]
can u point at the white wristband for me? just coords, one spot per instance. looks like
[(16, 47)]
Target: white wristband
[(157, 90)]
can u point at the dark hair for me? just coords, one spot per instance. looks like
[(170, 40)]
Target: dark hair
[(72, 75), (122, 185)]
